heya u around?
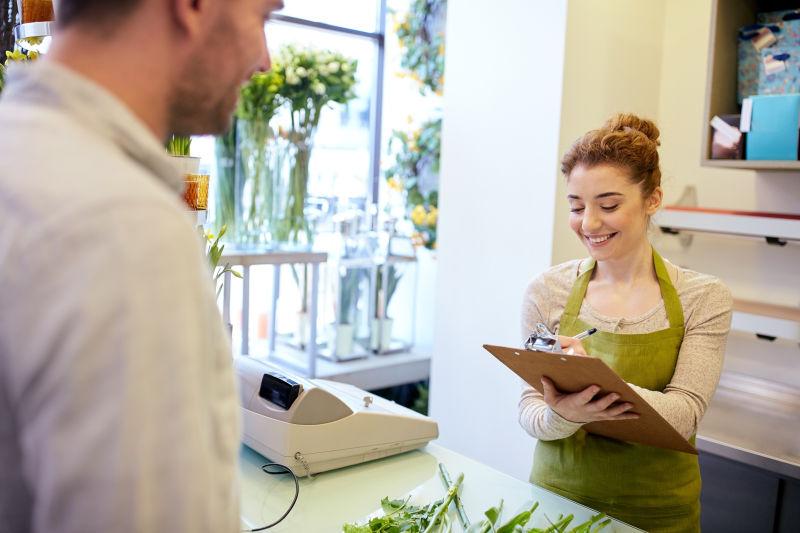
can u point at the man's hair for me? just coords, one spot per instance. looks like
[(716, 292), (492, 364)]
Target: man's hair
[(75, 11)]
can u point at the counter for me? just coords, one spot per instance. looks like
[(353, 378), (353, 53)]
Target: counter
[(762, 434), (351, 494)]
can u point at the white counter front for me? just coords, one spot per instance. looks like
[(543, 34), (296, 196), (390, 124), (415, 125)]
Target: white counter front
[(351, 494)]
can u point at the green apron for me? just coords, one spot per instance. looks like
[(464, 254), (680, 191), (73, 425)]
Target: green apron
[(651, 488)]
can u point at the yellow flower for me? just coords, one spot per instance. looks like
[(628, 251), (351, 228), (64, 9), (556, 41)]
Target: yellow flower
[(441, 49), (419, 215), (395, 184), (409, 119), (432, 217)]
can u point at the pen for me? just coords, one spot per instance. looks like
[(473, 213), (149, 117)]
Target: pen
[(582, 335), (462, 516)]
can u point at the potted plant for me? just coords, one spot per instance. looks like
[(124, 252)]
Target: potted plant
[(381, 328), (344, 332), (179, 148)]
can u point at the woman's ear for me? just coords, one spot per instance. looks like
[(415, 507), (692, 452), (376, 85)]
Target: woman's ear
[(653, 202)]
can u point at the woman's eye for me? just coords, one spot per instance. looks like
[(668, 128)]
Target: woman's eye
[(610, 207), (576, 210)]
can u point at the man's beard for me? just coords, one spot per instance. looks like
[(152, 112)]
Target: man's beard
[(198, 109)]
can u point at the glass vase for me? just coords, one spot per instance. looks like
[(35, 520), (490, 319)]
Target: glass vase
[(225, 185), (292, 227), (255, 209)]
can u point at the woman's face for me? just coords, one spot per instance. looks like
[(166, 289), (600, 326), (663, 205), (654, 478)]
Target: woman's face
[(607, 210)]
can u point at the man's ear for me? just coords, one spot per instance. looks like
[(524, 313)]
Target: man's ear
[(653, 202), (191, 15)]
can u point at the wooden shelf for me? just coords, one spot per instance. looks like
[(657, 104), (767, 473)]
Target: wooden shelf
[(777, 228), (752, 165), (727, 16), (782, 312)]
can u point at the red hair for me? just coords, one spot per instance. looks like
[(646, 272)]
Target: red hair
[(625, 140)]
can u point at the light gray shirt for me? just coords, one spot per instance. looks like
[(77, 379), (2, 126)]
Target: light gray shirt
[(707, 307), (118, 408)]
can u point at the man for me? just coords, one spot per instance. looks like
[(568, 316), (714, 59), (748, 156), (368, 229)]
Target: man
[(118, 410)]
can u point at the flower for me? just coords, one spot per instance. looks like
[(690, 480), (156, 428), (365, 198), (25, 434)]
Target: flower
[(333, 67), (318, 88), (294, 79), (419, 215), (432, 218), (395, 184), (301, 72)]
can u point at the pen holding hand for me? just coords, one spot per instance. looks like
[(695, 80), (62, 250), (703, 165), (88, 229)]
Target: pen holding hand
[(573, 345)]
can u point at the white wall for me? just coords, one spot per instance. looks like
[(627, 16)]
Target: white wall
[(612, 64), (499, 149)]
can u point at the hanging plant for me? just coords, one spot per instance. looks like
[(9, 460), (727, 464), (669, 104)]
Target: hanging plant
[(421, 35), (415, 173)]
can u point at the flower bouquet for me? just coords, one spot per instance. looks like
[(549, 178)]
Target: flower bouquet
[(313, 79), (260, 99)]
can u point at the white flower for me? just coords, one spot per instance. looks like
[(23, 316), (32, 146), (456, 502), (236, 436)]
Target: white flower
[(302, 72), (323, 70), (333, 67), (345, 67), (294, 79), (318, 88)]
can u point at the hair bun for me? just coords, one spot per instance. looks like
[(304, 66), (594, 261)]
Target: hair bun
[(626, 122)]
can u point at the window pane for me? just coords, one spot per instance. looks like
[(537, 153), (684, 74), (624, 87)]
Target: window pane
[(356, 14), (340, 161)]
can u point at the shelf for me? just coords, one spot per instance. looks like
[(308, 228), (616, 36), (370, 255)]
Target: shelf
[(781, 312), (744, 164), (777, 228), (727, 16)]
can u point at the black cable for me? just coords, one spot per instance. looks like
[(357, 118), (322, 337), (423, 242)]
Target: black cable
[(285, 470)]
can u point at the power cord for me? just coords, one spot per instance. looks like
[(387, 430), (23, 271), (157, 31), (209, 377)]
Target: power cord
[(284, 470)]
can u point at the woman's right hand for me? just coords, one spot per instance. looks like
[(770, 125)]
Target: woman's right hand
[(581, 407)]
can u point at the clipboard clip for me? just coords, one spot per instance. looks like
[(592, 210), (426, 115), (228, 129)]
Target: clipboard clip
[(543, 340)]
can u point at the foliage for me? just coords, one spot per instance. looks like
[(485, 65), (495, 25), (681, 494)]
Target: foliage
[(348, 294), (422, 42), (414, 173), (15, 56), (214, 253), (400, 516), (179, 145), (384, 297), (260, 97), (225, 152)]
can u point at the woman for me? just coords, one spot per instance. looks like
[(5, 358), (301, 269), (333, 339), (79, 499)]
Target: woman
[(661, 327)]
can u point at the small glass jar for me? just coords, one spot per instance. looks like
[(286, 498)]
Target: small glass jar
[(36, 11)]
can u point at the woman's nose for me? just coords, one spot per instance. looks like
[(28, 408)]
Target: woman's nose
[(591, 222)]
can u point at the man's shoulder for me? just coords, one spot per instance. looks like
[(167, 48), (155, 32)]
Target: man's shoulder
[(53, 168)]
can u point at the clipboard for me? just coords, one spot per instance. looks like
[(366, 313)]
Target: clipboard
[(573, 373)]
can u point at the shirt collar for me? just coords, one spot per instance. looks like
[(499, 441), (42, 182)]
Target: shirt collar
[(47, 83)]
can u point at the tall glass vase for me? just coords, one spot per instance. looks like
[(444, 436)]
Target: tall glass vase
[(255, 183), (225, 184), (292, 227)]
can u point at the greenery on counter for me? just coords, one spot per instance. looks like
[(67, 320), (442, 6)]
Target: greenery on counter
[(401, 517)]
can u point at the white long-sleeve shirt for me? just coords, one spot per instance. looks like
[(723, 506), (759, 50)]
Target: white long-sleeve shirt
[(118, 408)]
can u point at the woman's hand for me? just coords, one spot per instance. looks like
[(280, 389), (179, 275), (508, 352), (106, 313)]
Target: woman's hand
[(571, 345), (581, 407)]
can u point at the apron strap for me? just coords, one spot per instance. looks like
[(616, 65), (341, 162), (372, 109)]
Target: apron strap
[(672, 304), (669, 294)]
